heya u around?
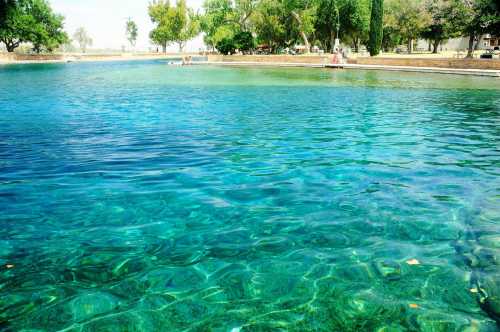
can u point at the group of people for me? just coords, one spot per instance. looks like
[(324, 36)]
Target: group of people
[(339, 56)]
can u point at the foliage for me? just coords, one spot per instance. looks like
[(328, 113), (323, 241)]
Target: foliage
[(226, 46), (376, 27), (31, 21), (131, 31), (219, 21), (158, 11), (173, 23), (269, 23), (410, 19), (244, 41), (474, 17), (83, 39)]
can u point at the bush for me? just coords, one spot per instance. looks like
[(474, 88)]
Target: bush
[(244, 41), (226, 46)]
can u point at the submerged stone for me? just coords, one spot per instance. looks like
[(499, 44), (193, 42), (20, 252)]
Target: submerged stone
[(89, 305), (389, 270), (490, 290)]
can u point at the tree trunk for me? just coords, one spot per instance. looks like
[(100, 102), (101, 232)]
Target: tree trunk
[(476, 46), (332, 41), (10, 45), (429, 45), (181, 47), (435, 46), (356, 44), (410, 46), (470, 51), (302, 33), (164, 48)]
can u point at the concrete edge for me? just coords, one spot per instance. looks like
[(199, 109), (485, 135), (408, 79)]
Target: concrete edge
[(436, 70)]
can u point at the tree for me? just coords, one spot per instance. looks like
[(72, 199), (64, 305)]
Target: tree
[(48, 32), (410, 19), (219, 21), (439, 28), (328, 22), (173, 24), (184, 24), (269, 21), (131, 32), (83, 39), (376, 27), (301, 16), (31, 21), (244, 41), (355, 21), (473, 18), (161, 35), (226, 46)]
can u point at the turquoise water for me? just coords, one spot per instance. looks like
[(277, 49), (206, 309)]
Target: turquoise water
[(135, 196)]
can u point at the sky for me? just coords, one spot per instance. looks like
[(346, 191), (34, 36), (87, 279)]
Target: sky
[(105, 20)]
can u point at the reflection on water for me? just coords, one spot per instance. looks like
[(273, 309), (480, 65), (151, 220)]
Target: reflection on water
[(143, 197)]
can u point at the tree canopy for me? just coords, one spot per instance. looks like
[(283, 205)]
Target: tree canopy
[(131, 31), (377, 24), (82, 38), (176, 24), (31, 21)]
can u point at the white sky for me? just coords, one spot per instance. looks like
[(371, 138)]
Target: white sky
[(105, 20)]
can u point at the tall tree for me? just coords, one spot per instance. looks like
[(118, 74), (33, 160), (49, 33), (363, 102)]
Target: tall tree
[(355, 21), (82, 38), (158, 11), (376, 27), (328, 22), (184, 24), (301, 16), (173, 23), (269, 22), (131, 32)]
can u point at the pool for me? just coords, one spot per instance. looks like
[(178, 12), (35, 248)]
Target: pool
[(137, 196)]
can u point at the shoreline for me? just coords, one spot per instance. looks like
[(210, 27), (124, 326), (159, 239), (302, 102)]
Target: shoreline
[(431, 70), (311, 61)]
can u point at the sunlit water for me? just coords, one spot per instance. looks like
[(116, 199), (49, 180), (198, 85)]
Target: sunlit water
[(137, 196)]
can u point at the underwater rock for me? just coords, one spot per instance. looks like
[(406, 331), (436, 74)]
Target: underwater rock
[(490, 295), (130, 288), (146, 320), (389, 270), (155, 301), (434, 321), (129, 266), (331, 240), (173, 279), (185, 312), (89, 305), (96, 274), (490, 241), (12, 305), (237, 285), (391, 328), (274, 244)]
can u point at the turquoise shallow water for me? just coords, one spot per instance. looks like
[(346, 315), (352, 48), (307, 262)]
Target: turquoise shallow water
[(135, 196)]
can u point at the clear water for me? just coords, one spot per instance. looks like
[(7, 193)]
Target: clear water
[(137, 196)]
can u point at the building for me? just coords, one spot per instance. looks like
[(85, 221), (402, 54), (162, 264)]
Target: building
[(486, 42)]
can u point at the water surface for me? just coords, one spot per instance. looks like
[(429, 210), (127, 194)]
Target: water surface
[(137, 196)]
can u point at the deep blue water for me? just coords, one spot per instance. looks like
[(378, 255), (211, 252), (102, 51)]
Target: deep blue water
[(136, 196)]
